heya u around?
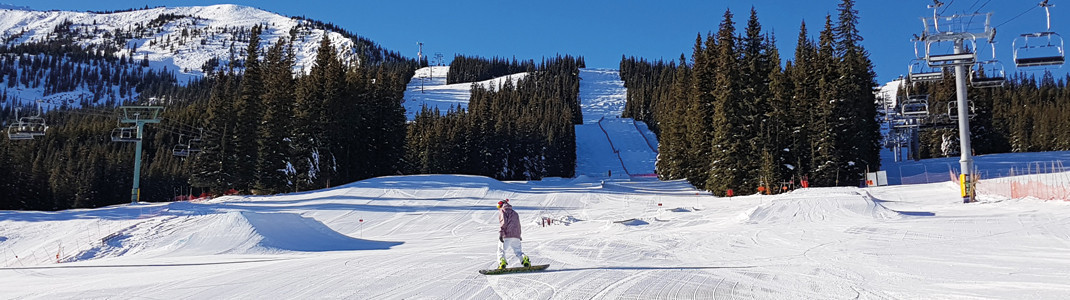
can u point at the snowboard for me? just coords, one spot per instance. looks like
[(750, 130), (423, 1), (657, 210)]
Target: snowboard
[(514, 270)]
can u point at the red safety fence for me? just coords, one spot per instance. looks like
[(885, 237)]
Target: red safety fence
[(1043, 182)]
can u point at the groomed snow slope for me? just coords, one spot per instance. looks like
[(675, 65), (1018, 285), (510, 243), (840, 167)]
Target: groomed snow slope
[(606, 144), (406, 237), (425, 237)]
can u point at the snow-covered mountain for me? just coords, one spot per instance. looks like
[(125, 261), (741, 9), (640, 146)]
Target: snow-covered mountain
[(187, 41), (605, 236)]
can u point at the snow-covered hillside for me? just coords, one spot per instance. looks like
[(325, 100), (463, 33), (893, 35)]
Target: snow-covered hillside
[(425, 237), (184, 41), (216, 25)]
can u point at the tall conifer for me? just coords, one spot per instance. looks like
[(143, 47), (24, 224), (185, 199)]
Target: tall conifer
[(730, 141), (275, 124), (249, 113)]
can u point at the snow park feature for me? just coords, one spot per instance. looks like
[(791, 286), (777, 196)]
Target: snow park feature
[(426, 236)]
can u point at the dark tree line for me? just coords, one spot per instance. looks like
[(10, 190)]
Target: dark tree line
[(472, 69), (520, 131), (734, 118), (1026, 115)]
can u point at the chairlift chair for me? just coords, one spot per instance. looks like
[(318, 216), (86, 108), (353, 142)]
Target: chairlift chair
[(1040, 49), (915, 106), (988, 74), (195, 142), (185, 149), (953, 110), (969, 57), (181, 150), (34, 125), (920, 71), (15, 134), (124, 135)]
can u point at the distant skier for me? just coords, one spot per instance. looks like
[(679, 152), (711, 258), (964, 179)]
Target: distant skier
[(509, 234)]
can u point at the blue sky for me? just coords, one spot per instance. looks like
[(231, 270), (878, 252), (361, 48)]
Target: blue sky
[(603, 30)]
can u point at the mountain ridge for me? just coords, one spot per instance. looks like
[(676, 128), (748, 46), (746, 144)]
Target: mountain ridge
[(189, 41)]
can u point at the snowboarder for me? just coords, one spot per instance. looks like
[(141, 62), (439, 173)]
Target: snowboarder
[(509, 234)]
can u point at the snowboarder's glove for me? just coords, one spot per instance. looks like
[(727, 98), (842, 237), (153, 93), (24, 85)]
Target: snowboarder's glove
[(501, 239)]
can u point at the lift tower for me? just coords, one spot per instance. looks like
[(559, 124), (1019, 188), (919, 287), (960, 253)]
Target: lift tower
[(139, 116), (954, 32)]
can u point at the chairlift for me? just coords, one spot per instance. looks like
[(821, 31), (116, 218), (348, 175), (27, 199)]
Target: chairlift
[(988, 74), (14, 134), (180, 150), (915, 106), (25, 128), (1040, 49), (936, 59), (186, 149), (920, 71), (953, 110), (33, 125), (125, 135)]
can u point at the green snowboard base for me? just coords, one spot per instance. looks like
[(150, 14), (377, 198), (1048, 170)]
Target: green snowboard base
[(514, 270)]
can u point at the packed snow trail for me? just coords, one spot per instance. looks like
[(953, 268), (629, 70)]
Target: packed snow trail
[(602, 94), (607, 145)]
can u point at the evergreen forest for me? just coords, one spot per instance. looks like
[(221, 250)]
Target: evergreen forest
[(522, 130), (1027, 114), (735, 117), (254, 127)]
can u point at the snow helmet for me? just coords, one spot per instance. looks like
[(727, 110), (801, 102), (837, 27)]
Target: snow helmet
[(500, 203)]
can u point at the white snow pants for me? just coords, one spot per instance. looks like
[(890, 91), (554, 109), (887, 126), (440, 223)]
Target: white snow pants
[(513, 243)]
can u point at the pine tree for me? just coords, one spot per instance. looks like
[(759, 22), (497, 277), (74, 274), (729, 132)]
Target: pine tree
[(777, 129), (275, 124), (212, 168), (755, 92), (829, 129), (802, 109), (311, 157), (860, 143), (673, 138), (700, 110), (249, 112), (730, 142)]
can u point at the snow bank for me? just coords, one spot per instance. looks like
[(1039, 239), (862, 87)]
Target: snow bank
[(819, 205)]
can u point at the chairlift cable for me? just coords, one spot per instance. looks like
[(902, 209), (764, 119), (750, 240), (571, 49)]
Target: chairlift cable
[(983, 6), (947, 6), (1016, 17)]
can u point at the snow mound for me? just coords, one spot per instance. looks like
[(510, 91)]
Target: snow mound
[(225, 233), (819, 205), (433, 182)]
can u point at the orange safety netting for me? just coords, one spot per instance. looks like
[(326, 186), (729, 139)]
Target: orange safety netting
[(1054, 186)]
